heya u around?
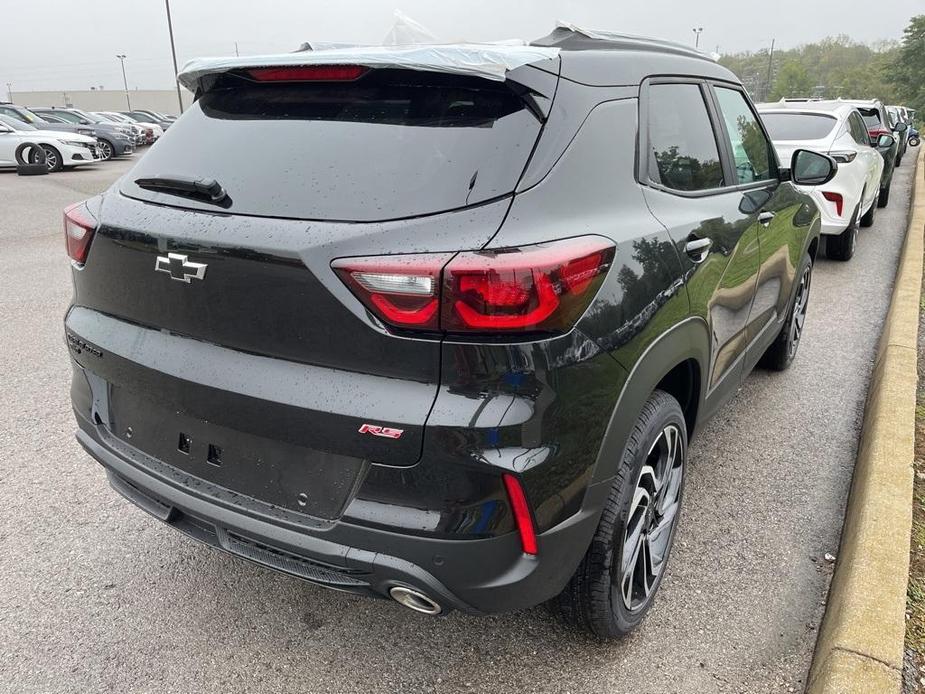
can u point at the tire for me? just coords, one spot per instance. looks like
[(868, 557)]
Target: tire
[(602, 597), (868, 219), (841, 246), (53, 158), (780, 355), (106, 149), (31, 169), (884, 198), (899, 161), (28, 153)]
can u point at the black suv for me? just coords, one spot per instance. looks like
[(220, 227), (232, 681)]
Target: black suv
[(440, 337)]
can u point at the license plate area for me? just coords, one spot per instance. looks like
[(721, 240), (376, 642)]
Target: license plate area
[(296, 478)]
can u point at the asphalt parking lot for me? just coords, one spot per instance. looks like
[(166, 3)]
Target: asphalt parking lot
[(97, 596)]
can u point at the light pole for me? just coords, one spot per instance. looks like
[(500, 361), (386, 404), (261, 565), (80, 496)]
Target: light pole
[(9, 90), (128, 101), (697, 32), (767, 93), (173, 51)]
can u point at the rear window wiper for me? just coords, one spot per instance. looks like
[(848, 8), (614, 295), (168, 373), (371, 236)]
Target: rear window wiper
[(204, 189)]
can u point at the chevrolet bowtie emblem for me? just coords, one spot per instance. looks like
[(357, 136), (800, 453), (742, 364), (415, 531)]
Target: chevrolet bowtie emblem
[(179, 268)]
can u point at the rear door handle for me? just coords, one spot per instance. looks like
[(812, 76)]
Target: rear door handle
[(698, 248), (765, 218)]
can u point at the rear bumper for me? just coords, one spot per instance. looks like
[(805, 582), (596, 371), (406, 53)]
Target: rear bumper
[(475, 576), (833, 223)]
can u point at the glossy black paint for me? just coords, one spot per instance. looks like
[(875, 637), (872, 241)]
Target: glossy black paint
[(272, 362)]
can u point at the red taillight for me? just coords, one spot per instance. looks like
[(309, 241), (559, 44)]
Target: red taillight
[(543, 288), (837, 199), (875, 133), (403, 290), (308, 73), (78, 232), (522, 516)]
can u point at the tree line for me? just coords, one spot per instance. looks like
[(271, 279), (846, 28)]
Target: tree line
[(837, 66)]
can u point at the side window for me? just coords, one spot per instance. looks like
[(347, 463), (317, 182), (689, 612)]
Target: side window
[(683, 154), (858, 129), (11, 113), (750, 148), (69, 117)]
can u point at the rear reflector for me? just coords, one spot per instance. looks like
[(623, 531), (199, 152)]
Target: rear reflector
[(79, 226), (532, 289), (837, 199), (308, 73), (522, 516)]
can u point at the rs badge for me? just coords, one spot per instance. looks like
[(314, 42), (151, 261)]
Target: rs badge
[(386, 432)]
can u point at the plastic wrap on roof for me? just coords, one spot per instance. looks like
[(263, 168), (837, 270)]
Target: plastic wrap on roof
[(405, 31), (491, 61), (614, 36), (592, 33)]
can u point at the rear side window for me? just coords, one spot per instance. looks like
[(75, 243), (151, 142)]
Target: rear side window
[(798, 126), (858, 129), (683, 154), (389, 145), (750, 147), (64, 115)]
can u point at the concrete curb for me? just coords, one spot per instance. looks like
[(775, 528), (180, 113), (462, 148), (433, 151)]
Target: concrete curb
[(860, 644)]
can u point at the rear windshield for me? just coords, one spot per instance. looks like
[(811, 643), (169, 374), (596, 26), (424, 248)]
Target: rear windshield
[(798, 126), (871, 117), (391, 144)]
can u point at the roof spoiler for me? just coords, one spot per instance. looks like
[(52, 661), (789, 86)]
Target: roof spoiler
[(489, 61)]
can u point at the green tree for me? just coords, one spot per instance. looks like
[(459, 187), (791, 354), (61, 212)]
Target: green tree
[(792, 80), (832, 67), (906, 69)]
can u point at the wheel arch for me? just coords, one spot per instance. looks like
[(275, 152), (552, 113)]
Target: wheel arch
[(677, 362)]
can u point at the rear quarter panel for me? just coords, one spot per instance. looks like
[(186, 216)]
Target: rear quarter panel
[(591, 189)]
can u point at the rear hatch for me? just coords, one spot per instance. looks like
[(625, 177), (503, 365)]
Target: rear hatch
[(793, 130), (221, 321)]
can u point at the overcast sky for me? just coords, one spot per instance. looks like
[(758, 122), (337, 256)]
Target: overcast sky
[(65, 44)]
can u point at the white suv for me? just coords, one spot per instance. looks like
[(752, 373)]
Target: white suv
[(851, 198)]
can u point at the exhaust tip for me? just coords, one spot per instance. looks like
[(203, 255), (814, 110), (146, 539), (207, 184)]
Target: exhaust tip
[(414, 600)]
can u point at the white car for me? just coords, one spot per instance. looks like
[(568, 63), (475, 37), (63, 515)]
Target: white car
[(138, 132), (62, 149), (156, 130), (851, 198)]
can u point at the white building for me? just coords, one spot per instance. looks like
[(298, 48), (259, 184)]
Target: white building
[(161, 100)]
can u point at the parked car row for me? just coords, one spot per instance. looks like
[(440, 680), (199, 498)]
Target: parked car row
[(868, 141), (73, 137), (483, 317)]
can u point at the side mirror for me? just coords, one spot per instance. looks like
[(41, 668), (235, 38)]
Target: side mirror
[(900, 127), (808, 168), (885, 141)]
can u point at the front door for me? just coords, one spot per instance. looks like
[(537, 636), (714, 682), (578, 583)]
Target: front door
[(779, 214), (9, 141), (693, 190)]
